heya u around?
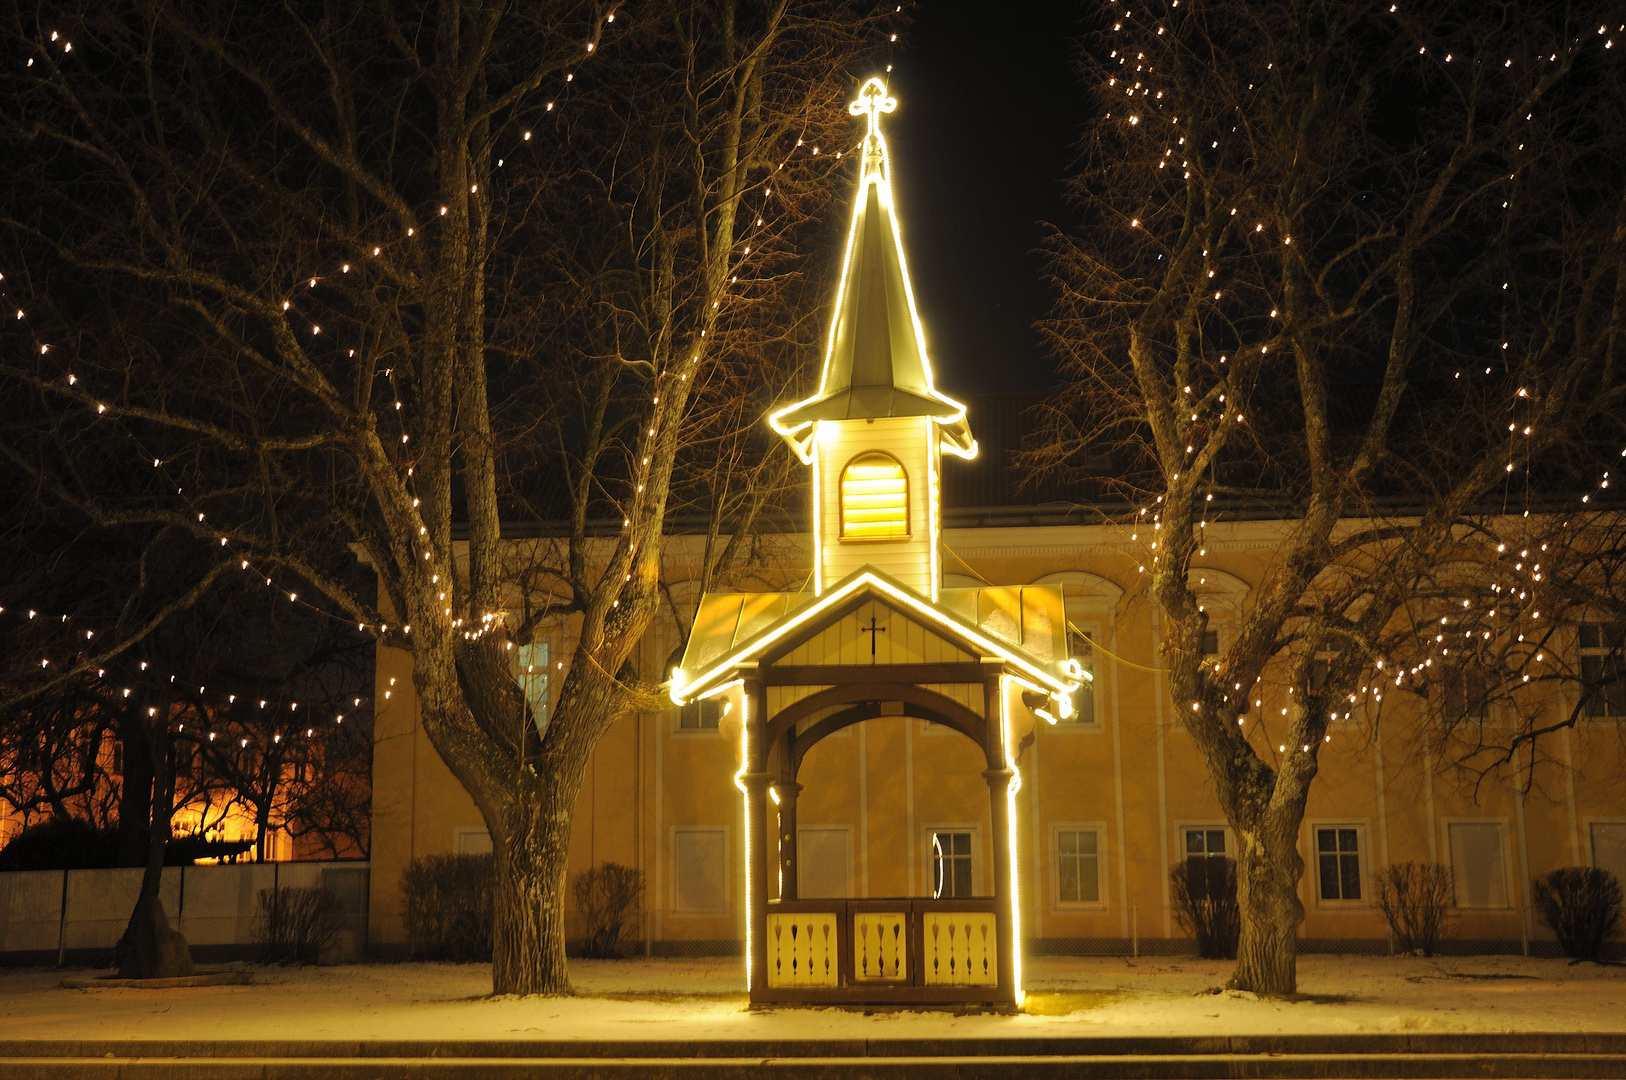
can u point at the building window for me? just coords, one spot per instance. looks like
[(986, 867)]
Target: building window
[(1609, 847), (471, 841), (702, 715), (531, 663), (1478, 870), (824, 862), (699, 871), (1467, 695), (1338, 855), (1205, 844), (1603, 669), (1078, 866), (1321, 670), (1081, 647), (951, 865), (874, 498)]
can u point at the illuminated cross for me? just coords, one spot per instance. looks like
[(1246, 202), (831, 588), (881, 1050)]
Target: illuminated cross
[(872, 101), (874, 630)]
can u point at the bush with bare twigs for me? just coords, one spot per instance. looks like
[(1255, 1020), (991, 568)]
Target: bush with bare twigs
[(1581, 905), (296, 925), (1415, 899), (1205, 905), (448, 907), (608, 898)]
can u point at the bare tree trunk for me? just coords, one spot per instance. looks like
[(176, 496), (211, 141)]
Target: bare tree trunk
[(151, 948), (135, 793), (1267, 875), (261, 816), (528, 931)]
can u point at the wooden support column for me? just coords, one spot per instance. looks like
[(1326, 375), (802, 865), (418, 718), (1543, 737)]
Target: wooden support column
[(999, 776), (787, 790), (755, 777)]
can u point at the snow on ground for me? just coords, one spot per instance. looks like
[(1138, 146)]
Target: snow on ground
[(667, 999)]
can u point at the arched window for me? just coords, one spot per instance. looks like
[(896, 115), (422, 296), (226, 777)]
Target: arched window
[(874, 498)]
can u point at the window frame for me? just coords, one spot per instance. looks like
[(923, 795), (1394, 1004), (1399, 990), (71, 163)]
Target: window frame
[(1363, 853), (461, 833), (1602, 652), (1591, 840), (1089, 600), (1099, 828), (727, 891), (841, 501), (703, 731), (1183, 827), (842, 829), (1490, 714), (926, 833), (1094, 630), (527, 680), (1509, 881)]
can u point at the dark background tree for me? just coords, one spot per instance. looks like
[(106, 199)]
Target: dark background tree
[(1357, 268), (138, 692), (374, 279)]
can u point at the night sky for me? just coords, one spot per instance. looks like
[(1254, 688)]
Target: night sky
[(988, 117)]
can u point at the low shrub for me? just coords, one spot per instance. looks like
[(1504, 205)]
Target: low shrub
[(1205, 905), (61, 843), (296, 925), (1415, 899), (1581, 906), (607, 898), (448, 907)]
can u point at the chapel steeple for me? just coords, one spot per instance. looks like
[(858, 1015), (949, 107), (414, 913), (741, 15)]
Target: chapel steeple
[(876, 428), (875, 363)]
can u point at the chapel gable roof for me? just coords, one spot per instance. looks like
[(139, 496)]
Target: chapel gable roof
[(1025, 625)]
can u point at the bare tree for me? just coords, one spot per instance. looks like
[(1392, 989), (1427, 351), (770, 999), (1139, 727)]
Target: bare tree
[(256, 693), (376, 278), (1519, 639), (1328, 254)]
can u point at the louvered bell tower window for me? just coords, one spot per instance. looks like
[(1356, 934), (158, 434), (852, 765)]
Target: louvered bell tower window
[(874, 498)]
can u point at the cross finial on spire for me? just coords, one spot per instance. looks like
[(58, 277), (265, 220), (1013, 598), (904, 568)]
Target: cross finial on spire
[(872, 101)]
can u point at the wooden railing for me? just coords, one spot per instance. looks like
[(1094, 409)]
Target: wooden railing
[(903, 950)]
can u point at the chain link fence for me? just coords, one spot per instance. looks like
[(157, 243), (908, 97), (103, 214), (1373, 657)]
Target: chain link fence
[(77, 916)]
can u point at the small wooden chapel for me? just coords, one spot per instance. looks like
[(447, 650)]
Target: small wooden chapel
[(877, 636)]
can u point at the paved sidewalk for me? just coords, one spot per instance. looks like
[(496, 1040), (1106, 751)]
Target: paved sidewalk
[(702, 999)]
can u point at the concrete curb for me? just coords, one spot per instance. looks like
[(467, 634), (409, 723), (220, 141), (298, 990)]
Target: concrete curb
[(1498, 1044), (1134, 1067)]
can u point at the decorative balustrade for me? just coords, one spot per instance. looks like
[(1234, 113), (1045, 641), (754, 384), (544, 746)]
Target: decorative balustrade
[(959, 948), (914, 950), (802, 949)]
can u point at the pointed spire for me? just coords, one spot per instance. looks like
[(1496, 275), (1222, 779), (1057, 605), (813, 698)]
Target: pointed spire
[(875, 363)]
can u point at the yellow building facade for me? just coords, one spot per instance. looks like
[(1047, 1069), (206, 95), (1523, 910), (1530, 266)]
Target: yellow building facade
[(1111, 799), (1038, 633)]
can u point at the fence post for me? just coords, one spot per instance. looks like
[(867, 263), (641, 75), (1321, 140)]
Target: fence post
[(276, 906), (62, 925)]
